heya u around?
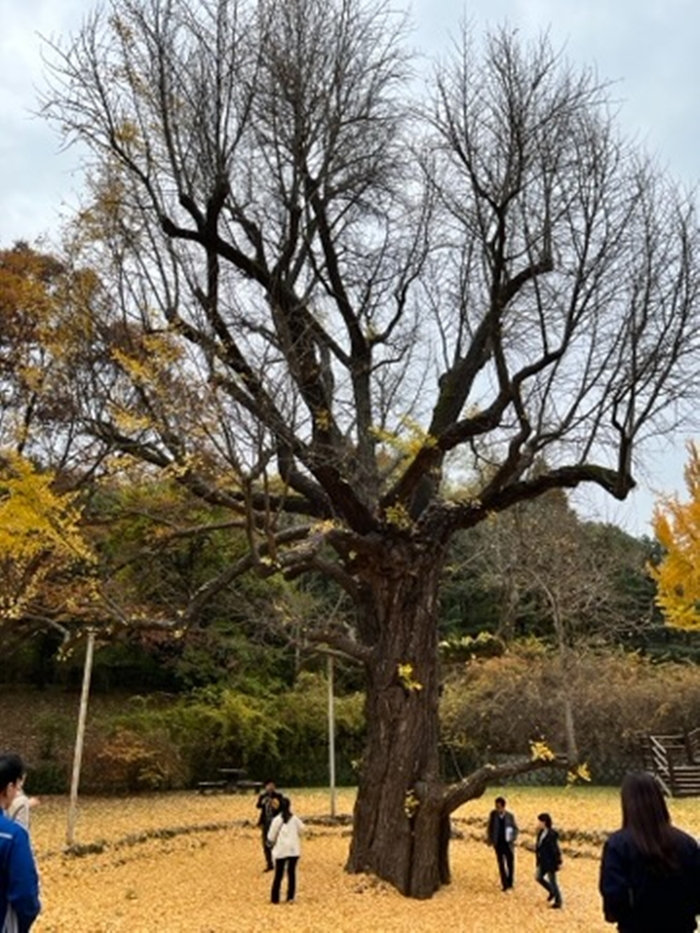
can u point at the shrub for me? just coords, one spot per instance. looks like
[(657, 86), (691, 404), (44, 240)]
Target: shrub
[(496, 706), (303, 741), (185, 740), (128, 761)]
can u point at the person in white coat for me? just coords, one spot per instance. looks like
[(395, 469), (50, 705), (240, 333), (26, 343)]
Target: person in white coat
[(283, 836), (21, 805)]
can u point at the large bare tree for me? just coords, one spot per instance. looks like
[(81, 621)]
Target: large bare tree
[(322, 289)]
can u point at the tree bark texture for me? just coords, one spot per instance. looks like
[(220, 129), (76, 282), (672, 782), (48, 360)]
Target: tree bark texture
[(401, 827)]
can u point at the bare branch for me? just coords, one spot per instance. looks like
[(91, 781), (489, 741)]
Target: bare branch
[(489, 775)]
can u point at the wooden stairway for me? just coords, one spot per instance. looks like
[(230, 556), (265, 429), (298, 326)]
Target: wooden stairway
[(675, 762)]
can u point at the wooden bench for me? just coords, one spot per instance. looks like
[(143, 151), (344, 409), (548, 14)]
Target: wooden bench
[(233, 781), (240, 787), (231, 777), (210, 786)]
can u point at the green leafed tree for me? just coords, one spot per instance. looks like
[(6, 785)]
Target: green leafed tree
[(319, 289)]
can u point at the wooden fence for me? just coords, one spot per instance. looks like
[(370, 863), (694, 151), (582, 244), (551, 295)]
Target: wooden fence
[(675, 762)]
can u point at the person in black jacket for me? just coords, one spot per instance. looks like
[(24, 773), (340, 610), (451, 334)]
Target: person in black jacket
[(502, 832), (548, 858), (650, 872), (268, 803)]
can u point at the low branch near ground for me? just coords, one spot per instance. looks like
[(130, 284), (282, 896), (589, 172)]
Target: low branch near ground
[(476, 783)]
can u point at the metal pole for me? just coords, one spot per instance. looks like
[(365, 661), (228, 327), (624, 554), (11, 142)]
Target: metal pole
[(79, 738), (331, 733)]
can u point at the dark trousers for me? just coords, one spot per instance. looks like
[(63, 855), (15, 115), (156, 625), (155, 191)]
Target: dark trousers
[(505, 859), (548, 880), (266, 847), (290, 864)]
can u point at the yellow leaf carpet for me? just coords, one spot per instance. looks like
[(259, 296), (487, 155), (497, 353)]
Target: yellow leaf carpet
[(146, 867)]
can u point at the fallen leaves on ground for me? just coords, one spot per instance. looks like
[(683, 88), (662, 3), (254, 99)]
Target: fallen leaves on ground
[(210, 880)]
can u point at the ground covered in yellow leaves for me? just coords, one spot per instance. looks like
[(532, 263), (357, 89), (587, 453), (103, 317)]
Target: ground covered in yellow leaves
[(187, 863)]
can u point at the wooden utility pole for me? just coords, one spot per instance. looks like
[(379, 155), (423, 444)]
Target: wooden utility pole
[(80, 738)]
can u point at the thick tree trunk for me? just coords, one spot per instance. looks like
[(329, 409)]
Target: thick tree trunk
[(401, 827)]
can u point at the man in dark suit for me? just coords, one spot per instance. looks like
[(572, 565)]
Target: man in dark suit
[(269, 805), (502, 833)]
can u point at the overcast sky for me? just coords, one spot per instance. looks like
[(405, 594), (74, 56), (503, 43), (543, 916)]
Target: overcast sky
[(650, 47)]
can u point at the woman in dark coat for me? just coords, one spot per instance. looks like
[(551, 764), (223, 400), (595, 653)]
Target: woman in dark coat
[(650, 872), (548, 858)]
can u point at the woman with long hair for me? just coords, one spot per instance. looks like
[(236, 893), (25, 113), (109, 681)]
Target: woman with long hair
[(548, 859), (650, 872), (283, 836)]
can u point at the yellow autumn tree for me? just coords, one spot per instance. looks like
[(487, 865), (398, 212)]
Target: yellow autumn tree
[(44, 323), (677, 527), (40, 541)]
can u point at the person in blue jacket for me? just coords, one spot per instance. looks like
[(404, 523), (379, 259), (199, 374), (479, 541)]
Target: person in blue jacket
[(19, 883), (650, 871)]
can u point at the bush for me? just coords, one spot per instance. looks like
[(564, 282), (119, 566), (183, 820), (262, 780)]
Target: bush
[(491, 707), (303, 740), (50, 759), (177, 743), (496, 706), (128, 761), (48, 777)]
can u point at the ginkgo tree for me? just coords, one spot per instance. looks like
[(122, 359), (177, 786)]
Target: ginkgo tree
[(43, 305), (43, 553), (45, 561), (49, 546), (318, 289), (677, 528)]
